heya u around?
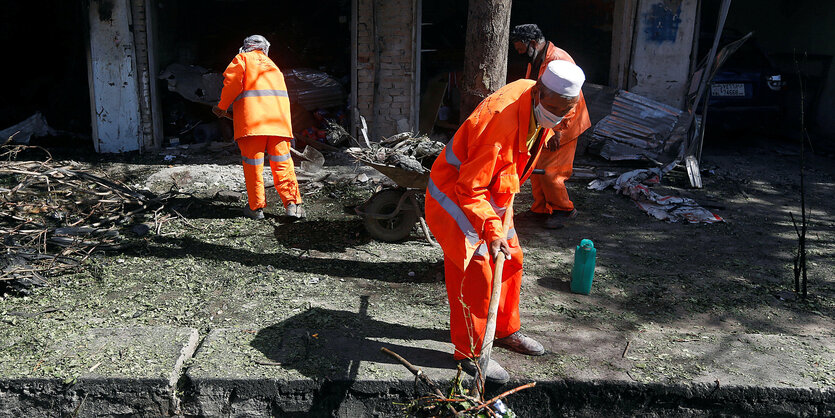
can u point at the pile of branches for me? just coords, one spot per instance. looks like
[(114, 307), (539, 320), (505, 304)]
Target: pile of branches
[(404, 150), (54, 215), (459, 402)]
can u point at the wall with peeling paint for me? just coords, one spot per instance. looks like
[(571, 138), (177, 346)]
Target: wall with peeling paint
[(662, 44), (112, 75)]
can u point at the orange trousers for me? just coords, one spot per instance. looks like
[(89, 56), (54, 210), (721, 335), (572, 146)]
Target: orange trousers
[(281, 165), (469, 299), (549, 193)]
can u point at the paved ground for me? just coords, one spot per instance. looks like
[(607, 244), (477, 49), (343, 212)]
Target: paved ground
[(682, 320)]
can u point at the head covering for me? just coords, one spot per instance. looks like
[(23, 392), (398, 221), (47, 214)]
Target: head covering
[(526, 33), (564, 78), (255, 42)]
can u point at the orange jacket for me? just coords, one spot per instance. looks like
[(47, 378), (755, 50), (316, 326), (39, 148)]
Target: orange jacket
[(254, 87), (479, 170), (574, 124)]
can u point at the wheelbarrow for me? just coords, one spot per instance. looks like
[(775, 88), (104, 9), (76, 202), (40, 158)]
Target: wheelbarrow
[(390, 214)]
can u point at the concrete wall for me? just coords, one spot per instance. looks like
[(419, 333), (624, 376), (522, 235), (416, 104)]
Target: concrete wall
[(113, 78), (661, 48), (386, 65)]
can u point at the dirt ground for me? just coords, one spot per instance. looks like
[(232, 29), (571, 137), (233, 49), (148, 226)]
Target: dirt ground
[(214, 269)]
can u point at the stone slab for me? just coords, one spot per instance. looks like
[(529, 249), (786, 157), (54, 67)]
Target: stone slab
[(104, 371), (268, 372)]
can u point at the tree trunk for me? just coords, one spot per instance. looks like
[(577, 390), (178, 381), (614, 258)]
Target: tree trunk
[(487, 45)]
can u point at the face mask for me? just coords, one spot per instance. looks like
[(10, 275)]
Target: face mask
[(545, 118)]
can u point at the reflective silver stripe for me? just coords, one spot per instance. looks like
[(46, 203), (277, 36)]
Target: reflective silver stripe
[(496, 208), (451, 158), (481, 250), (511, 233), (453, 210), (261, 93), (255, 161), (279, 158)]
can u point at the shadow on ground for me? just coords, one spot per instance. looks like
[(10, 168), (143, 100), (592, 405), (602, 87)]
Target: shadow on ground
[(331, 345), (386, 271)]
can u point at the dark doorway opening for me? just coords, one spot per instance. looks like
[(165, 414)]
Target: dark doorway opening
[(45, 69), (583, 28), (313, 39)]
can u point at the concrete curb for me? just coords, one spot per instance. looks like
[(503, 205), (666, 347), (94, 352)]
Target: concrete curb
[(35, 398), (265, 397)]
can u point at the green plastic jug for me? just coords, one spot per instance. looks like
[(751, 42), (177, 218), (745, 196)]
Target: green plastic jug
[(583, 271)]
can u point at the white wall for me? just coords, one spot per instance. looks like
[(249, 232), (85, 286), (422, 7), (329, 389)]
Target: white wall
[(113, 89)]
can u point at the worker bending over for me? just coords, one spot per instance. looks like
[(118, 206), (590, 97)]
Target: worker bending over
[(469, 205)]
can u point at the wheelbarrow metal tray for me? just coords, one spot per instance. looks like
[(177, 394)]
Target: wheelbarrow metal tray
[(402, 177)]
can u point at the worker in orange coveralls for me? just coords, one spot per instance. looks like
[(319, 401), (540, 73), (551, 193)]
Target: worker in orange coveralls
[(469, 205), (254, 87), (550, 197)]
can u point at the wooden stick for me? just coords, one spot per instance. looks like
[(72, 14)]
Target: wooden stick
[(492, 310), (503, 395), (415, 371)]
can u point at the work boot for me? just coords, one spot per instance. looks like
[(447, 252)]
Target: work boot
[(295, 211), (256, 214), (520, 343), (530, 217), (495, 372), (557, 218)]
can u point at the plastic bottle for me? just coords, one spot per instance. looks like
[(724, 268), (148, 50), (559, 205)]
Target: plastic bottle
[(583, 271), (499, 408)]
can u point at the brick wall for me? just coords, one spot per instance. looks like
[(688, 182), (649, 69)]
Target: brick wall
[(140, 36), (385, 65)]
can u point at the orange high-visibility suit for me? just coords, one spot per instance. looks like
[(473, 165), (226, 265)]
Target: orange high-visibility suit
[(549, 193), (254, 87), (470, 189)]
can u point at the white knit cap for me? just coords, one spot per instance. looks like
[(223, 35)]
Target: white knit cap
[(563, 77)]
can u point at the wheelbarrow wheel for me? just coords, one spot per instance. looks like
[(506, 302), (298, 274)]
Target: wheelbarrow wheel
[(395, 228)]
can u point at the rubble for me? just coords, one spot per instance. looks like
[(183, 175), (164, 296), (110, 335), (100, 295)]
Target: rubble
[(21, 133), (53, 215), (637, 128), (635, 184), (403, 150)]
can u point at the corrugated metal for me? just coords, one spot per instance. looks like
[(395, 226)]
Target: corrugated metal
[(637, 128)]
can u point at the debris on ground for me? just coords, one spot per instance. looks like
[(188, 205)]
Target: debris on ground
[(636, 184), (21, 133), (53, 215), (336, 135), (403, 150), (459, 402)]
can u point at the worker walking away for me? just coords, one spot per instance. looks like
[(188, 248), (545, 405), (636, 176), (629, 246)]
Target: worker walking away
[(550, 197), (254, 88), (469, 206)]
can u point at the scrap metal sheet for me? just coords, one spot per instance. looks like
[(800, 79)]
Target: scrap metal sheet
[(637, 128)]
